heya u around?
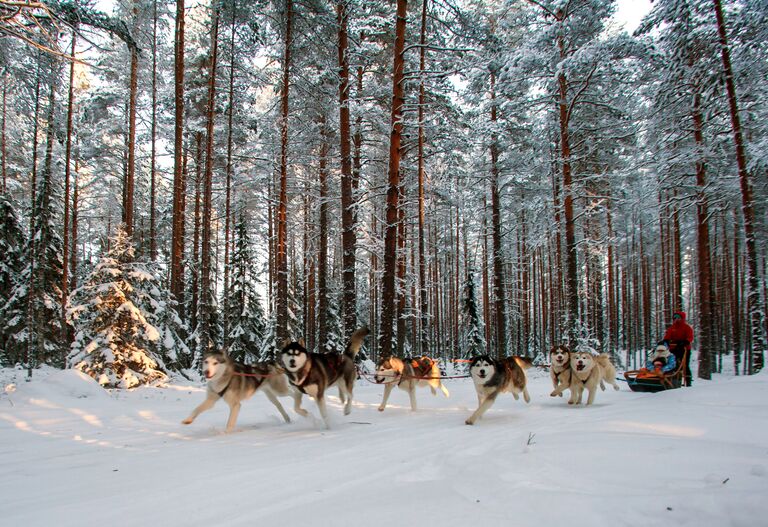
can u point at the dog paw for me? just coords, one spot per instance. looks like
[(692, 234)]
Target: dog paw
[(469, 422), (553, 394), (302, 412), (381, 408), (187, 421)]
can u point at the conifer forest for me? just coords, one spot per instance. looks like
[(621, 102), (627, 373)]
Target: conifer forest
[(460, 176)]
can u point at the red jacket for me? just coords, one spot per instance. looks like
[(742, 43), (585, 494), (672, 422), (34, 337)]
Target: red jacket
[(679, 330)]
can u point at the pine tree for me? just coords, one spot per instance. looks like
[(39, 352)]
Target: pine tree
[(127, 332)]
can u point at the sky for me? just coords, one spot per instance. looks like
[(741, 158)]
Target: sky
[(630, 12)]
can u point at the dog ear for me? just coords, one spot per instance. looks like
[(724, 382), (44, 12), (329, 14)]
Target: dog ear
[(301, 343), (286, 342)]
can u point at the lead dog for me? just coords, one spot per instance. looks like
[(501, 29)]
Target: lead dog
[(587, 372), (492, 377), (408, 374), (560, 369), (314, 373), (235, 382)]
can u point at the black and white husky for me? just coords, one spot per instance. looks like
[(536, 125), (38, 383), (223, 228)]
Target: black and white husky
[(492, 377), (313, 373), (234, 382)]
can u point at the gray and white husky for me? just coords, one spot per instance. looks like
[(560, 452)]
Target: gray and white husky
[(235, 382)]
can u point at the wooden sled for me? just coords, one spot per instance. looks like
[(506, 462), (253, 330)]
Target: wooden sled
[(640, 381)]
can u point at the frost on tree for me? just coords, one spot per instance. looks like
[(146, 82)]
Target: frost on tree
[(127, 332)]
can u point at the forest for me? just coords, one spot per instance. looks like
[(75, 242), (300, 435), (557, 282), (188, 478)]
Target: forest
[(460, 176)]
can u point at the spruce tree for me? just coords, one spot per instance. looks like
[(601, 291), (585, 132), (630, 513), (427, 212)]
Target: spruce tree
[(245, 313), (127, 331), (472, 334), (11, 265)]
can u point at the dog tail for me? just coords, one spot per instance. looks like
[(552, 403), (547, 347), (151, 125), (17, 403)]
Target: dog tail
[(523, 362), (356, 342), (604, 360)]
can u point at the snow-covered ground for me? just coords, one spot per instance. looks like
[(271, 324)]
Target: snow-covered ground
[(72, 454)]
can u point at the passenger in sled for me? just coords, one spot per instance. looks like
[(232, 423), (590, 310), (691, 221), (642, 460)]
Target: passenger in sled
[(660, 363)]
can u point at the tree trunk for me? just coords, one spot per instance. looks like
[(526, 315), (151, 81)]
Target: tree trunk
[(206, 283), (348, 236), (281, 267), (3, 149), (422, 337), (322, 257), (177, 236), (747, 201), (570, 229), (393, 188), (153, 152), (228, 197), (704, 265), (130, 175), (194, 307), (498, 259), (67, 177)]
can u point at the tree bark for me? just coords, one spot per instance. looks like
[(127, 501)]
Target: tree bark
[(153, 137), (130, 175), (424, 322), (177, 237), (322, 257), (281, 267), (206, 283), (747, 201), (393, 188), (570, 229), (67, 177), (498, 259), (348, 236)]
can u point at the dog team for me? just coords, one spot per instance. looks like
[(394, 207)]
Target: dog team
[(297, 372)]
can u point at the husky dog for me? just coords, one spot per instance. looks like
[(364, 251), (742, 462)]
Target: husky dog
[(588, 371), (235, 382), (492, 377), (314, 373), (560, 369), (407, 374)]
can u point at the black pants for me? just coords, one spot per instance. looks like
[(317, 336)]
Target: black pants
[(679, 352)]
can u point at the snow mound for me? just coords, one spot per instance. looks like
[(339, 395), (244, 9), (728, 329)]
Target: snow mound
[(75, 384)]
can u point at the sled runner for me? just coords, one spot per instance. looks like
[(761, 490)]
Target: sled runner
[(644, 380)]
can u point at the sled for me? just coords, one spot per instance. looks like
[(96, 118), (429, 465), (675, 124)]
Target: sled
[(639, 381)]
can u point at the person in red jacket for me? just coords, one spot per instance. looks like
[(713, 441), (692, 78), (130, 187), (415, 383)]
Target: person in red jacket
[(679, 337)]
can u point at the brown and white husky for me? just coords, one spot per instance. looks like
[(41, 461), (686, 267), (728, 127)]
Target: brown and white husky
[(408, 374)]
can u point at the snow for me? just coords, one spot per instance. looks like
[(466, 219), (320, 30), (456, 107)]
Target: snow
[(73, 454)]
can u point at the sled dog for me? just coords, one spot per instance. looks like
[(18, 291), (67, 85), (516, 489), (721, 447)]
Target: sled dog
[(235, 382), (313, 373), (408, 374), (492, 377), (587, 372), (560, 369)]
